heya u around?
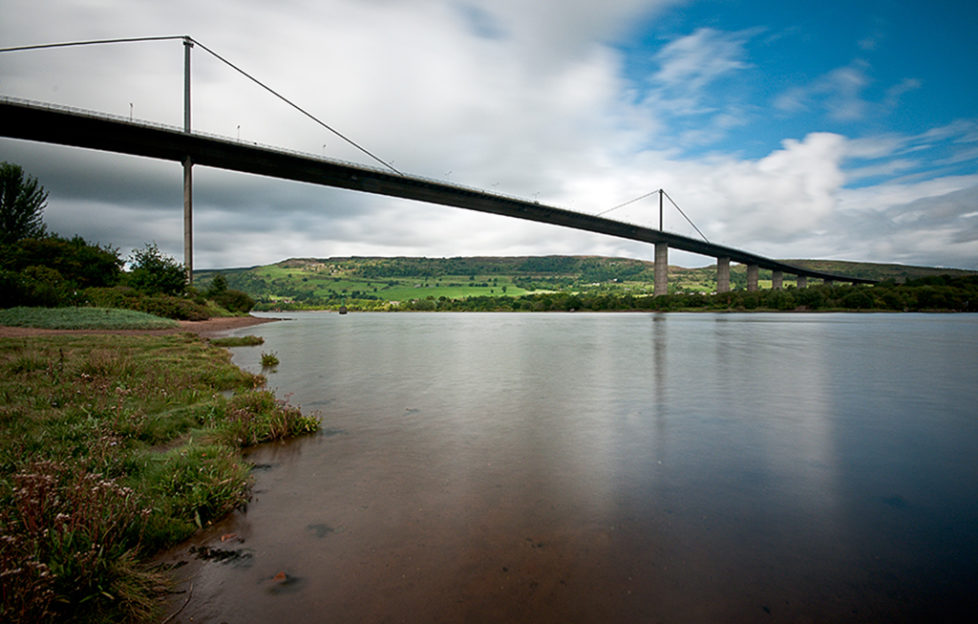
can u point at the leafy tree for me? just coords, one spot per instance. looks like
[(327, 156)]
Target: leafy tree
[(22, 203), (80, 263), (218, 285), (153, 272)]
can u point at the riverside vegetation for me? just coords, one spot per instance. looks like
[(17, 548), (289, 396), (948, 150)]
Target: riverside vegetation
[(554, 283), (111, 448)]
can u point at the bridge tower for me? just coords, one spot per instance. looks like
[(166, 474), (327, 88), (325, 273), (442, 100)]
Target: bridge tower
[(661, 276), (188, 178)]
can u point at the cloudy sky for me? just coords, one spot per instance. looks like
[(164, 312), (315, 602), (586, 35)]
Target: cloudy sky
[(841, 130)]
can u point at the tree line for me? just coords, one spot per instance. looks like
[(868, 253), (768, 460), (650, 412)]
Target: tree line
[(936, 293), (39, 268)]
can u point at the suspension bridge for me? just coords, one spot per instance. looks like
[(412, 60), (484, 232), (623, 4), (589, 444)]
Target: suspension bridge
[(48, 123)]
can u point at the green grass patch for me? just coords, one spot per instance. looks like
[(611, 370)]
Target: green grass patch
[(112, 447), (238, 341), (82, 318)]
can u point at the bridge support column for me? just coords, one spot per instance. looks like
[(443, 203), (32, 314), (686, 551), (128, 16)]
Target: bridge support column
[(188, 218), (802, 281), (188, 182), (661, 269), (777, 280), (752, 270), (723, 275)]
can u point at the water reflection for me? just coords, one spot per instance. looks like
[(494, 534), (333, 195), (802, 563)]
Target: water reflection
[(613, 468)]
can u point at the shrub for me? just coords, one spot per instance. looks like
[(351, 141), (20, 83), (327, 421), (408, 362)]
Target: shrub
[(269, 360), (166, 306), (80, 264), (153, 272), (234, 300), (217, 286), (173, 307)]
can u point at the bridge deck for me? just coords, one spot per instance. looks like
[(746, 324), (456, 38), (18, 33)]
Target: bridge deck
[(35, 122)]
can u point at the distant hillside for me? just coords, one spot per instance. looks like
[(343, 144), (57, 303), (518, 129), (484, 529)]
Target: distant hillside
[(871, 270), (372, 282)]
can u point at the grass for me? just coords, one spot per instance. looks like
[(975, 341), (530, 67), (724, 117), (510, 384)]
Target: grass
[(82, 318), (111, 448), (238, 341), (269, 360)]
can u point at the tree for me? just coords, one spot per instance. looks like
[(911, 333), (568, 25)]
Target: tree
[(22, 203), (218, 285), (80, 263), (154, 273)]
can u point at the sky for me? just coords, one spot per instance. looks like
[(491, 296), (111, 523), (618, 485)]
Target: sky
[(833, 130)]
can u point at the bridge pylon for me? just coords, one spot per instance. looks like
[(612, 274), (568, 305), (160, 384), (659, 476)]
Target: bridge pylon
[(188, 165)]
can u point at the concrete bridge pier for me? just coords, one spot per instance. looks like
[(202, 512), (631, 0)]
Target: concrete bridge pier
[(752, 271), (723, 275), (661, 269), (188, 165), (777, 280), (188, 219), (802, 281)]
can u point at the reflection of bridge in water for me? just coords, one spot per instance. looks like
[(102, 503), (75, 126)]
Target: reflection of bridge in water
[(50, 124)]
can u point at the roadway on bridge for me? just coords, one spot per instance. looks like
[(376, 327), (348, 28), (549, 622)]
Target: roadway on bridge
[(37, 122)]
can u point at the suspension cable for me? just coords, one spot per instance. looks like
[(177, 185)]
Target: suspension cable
[(630, 201), (684, 215), (91, 42), (649, 194), (293, 105), (190, 39)]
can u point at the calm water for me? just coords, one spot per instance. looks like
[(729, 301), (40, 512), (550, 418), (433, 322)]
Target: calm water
[(610, 468)]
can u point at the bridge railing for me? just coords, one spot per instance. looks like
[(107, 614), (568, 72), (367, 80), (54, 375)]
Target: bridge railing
[(274, 148), (225, 138)]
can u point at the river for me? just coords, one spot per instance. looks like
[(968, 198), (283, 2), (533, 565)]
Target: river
[(609, 468)]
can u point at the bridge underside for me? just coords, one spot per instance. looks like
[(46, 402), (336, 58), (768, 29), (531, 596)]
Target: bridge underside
[(21, 120)]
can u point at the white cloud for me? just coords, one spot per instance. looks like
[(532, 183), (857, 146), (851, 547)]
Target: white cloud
[(839, 93), (693, 61), (525, 99)]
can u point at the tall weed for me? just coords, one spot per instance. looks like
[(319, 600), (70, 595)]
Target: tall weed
[(62, 536)]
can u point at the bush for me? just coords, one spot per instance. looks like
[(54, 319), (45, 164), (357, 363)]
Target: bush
[(234, 301), (858, 299), (50, 271), (80, 264), (217, 286), (12, 289), (155, 273), (166, 306)]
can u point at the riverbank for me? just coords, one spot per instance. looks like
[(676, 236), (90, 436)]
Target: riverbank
[(113, 446), (210, 327)]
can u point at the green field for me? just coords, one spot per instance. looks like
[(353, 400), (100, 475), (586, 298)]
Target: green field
[(385, 283)]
